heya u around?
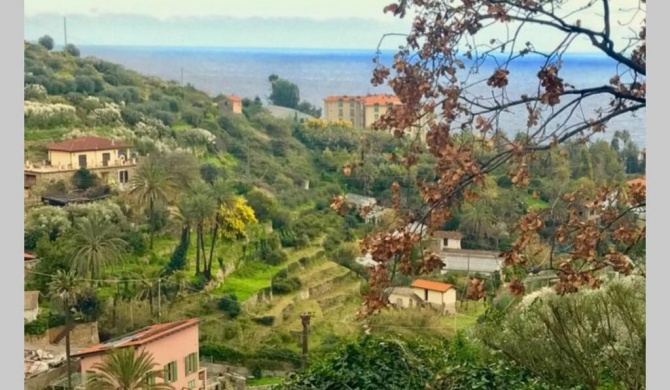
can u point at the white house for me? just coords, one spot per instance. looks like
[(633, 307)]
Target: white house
[(404, 297), (31, 307), (441, 296), (455, 258), (447, 240)]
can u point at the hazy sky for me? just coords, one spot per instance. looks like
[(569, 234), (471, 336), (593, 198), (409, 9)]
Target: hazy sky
[(250, 23)]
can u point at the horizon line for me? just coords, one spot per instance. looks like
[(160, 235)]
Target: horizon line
[(265, 48)]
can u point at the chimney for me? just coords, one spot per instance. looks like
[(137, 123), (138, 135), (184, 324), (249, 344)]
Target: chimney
[(112, 142)]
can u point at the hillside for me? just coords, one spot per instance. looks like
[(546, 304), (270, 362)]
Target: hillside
[(285, 171), (243, 236)]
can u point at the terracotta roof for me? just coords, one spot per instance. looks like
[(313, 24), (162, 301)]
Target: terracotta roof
[(371, 100), (31, 300), (140, 337), (235, 98), (451, 235), (28, 256), (430, 285), (85, 144)]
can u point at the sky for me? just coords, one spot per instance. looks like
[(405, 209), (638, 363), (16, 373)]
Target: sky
[(322, 24)]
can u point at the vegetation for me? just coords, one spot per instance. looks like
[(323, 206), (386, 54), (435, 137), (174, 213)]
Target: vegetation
[(124, 369), (219, 223)]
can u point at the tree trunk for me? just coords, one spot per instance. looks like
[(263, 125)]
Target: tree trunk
[(68, 321), (204, 254), (198, 233), (215, 232), (151, 230)]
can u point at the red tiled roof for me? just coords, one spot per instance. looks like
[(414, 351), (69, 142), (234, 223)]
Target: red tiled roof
[(451, 235), (141, 337), (235, 99), (371, 100), (430, 285), (28, 256), (85, 144)]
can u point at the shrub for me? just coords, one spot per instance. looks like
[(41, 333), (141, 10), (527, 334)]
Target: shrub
[(275, 257), (84, 179), (221, 353), (192, 117), (44, 321), (283, 284), (178, 258), (47, 42), (90, 305), (72, 50), (265, 320), (301, 241), (137, 242), (229, 305)]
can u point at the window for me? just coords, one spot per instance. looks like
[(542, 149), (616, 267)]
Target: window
[(82, 161), (123, 176), (150, 378), (105, 159), (376, 107), (340, 103), (445, 242), (170, 372), (341, 113), (351, 112), (191, 363), (425, 293), (191, 384), (376, 116)]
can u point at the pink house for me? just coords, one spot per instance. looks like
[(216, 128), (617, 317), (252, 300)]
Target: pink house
[(236, 102), (173, 345)]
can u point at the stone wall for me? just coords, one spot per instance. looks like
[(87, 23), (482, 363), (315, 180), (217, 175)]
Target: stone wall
[(81, 336)]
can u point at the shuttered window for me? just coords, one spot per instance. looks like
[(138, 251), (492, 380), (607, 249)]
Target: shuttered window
[(170, 372)]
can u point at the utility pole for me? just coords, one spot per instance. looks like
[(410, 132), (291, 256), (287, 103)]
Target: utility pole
[(182, 75), (65, 29), (305, 319)]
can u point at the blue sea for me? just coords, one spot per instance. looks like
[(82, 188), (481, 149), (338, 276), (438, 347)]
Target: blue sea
[(319, 73)]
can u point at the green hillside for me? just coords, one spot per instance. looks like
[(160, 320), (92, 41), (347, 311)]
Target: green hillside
[(286, 172)]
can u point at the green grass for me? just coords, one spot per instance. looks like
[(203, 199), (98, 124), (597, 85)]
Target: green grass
[(254, 275), (534, 203), (44, 135), (249, 279), (268, 380)]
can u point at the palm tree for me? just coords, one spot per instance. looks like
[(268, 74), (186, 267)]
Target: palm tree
[(95, 245), (65, 287), (224, 196), (151, 185), (200, 208), (478, 220), (122, 369)]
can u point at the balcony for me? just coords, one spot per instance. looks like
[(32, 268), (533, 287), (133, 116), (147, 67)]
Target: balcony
[(46, 167)]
